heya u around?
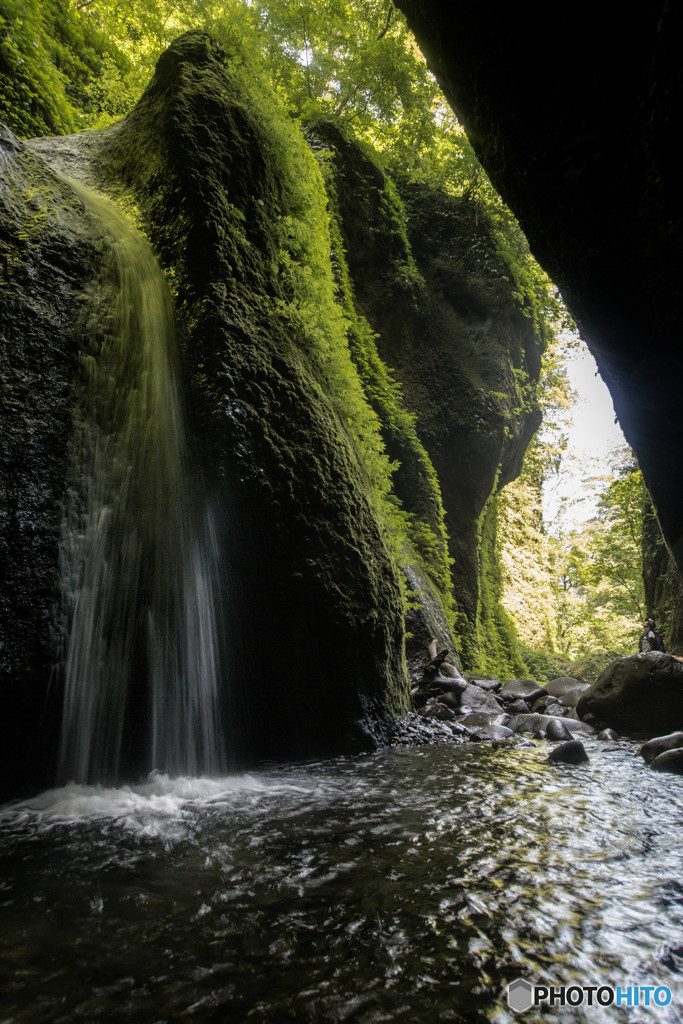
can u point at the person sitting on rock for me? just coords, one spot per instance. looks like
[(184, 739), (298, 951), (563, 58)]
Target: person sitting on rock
[(651, 639)]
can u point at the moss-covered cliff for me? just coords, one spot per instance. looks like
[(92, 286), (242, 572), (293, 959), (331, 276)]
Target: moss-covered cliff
[(300, 278), (429, 276), (663, 584), (233, 201)]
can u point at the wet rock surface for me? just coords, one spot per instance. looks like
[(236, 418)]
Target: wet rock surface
[(669, 761), (522, 689), (478, 713)]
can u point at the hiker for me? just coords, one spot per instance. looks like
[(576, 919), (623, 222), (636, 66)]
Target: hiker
[(651, 638)]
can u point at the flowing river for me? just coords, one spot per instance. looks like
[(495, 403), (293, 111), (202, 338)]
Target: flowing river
[(407, 885)]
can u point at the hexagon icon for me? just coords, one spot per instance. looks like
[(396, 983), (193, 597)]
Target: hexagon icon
[(520, 995)]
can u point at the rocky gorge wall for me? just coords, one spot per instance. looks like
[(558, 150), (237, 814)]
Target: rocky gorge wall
[(435, 288), (290, 403)]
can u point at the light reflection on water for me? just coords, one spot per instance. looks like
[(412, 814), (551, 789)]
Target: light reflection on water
[(408, 885)]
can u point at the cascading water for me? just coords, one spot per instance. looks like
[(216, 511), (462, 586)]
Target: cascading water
[(140, 556)]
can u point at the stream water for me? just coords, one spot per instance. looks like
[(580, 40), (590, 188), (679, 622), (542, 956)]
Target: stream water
[(408, 885)]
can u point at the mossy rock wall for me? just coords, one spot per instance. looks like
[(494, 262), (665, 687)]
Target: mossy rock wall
[(429, 278), (319, 616), (663, 584)]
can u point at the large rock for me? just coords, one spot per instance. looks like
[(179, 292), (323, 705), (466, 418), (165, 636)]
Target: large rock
[(478, 719), (571, 752), (533, 723), (477, 699), (669, 761), (640, 695)]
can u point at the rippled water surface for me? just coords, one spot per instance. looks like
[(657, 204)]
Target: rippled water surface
[(408, 885)]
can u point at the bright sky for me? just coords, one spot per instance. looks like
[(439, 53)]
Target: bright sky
[(593, 434)]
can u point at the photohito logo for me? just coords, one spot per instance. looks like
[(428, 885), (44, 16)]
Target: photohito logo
[(522, 995)]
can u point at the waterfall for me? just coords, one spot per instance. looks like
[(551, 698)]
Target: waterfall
[(140, 554)]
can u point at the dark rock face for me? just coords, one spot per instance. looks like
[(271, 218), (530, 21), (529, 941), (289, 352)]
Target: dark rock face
[(663, 584), (640, 695), (47, 250), (573, 116)]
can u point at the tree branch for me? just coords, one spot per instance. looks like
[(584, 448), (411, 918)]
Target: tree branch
[(384, 31)]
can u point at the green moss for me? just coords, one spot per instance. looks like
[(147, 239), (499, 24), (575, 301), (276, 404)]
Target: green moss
[(498, 651), (418, 524)]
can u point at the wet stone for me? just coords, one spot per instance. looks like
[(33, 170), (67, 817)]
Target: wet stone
[(492, 732), (480, 719), (439, 712), (556, 729), (669, 761), (533, 723), (518, 707), (522, 689), (572, 752), (650, 750), (477, 699), (565, 684), (485, 683)]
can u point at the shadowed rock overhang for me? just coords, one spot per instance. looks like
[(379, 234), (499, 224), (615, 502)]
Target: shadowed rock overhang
[(575, 117)]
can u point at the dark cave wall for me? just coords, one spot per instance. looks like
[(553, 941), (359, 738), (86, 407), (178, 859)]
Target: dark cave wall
[(574, 114)]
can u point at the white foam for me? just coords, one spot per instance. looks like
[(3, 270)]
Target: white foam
[(159, 797)]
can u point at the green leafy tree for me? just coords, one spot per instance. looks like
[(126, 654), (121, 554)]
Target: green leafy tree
[(601, 596)]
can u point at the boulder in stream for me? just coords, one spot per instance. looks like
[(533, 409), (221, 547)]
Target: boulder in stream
[(669, 761), (522, 689), (477, 699), (639, 695), (536, 724), (556, 729), (572, 752), (654, 747)]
